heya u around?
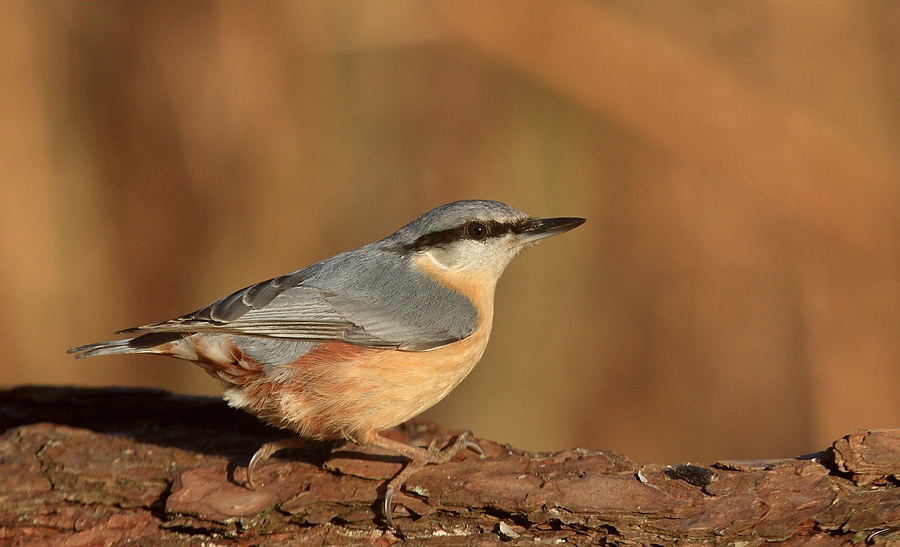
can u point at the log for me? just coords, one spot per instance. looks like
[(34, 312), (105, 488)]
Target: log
[(83, 466)]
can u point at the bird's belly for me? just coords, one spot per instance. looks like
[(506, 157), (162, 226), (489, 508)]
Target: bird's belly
[(341, 390)]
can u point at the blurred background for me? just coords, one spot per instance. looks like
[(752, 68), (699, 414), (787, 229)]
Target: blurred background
[(734, 294)]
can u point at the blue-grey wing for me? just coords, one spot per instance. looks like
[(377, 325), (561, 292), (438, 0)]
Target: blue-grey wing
[(353, 301)]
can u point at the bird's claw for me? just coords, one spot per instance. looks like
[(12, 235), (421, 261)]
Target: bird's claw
[(265, 452), (470, 444)]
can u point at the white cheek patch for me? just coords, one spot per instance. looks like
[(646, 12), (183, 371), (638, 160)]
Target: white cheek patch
[(432, 256), (472, 257)]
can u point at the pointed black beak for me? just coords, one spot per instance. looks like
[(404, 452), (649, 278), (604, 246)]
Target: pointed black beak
[(539, 228)]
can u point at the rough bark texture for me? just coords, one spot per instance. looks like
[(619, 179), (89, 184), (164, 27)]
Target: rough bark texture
[(114, 466)]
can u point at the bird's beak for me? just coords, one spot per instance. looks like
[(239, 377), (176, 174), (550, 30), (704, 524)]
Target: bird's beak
[(533, 229)]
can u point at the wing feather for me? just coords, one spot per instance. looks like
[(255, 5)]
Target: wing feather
[(297, 313), (336, 300)]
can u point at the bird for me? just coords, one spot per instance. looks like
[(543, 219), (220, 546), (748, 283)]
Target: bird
[(360, 342)]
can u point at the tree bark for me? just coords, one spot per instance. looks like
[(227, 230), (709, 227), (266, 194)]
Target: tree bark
[(146, 467)]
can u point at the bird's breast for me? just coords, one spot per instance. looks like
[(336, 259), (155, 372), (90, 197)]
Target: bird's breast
[(343, 390)]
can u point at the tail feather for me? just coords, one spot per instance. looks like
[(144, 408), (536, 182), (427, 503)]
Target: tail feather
[(148, 343), (113, 347)]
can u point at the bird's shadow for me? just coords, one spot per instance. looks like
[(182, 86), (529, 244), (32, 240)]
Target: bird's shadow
[(206, 425)]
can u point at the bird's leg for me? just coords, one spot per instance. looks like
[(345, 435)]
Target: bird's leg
[(266, 451), (418, 458)]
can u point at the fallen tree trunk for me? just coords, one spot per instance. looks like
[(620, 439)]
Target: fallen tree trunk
[(110, 466)]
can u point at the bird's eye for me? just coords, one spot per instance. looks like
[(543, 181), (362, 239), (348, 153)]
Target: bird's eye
[(476, 230)]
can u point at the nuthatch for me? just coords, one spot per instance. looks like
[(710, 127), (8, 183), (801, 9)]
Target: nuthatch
[(359, 342)]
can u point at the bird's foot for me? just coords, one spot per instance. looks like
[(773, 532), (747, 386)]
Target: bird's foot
[(419, 458)]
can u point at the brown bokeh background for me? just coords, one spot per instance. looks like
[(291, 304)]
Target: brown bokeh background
[(735, 293)]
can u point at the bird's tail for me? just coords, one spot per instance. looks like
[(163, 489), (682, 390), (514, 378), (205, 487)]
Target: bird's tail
[(113, 347), (147, 343)]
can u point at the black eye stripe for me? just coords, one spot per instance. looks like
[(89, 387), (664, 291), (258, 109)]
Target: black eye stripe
[(445, 237)]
